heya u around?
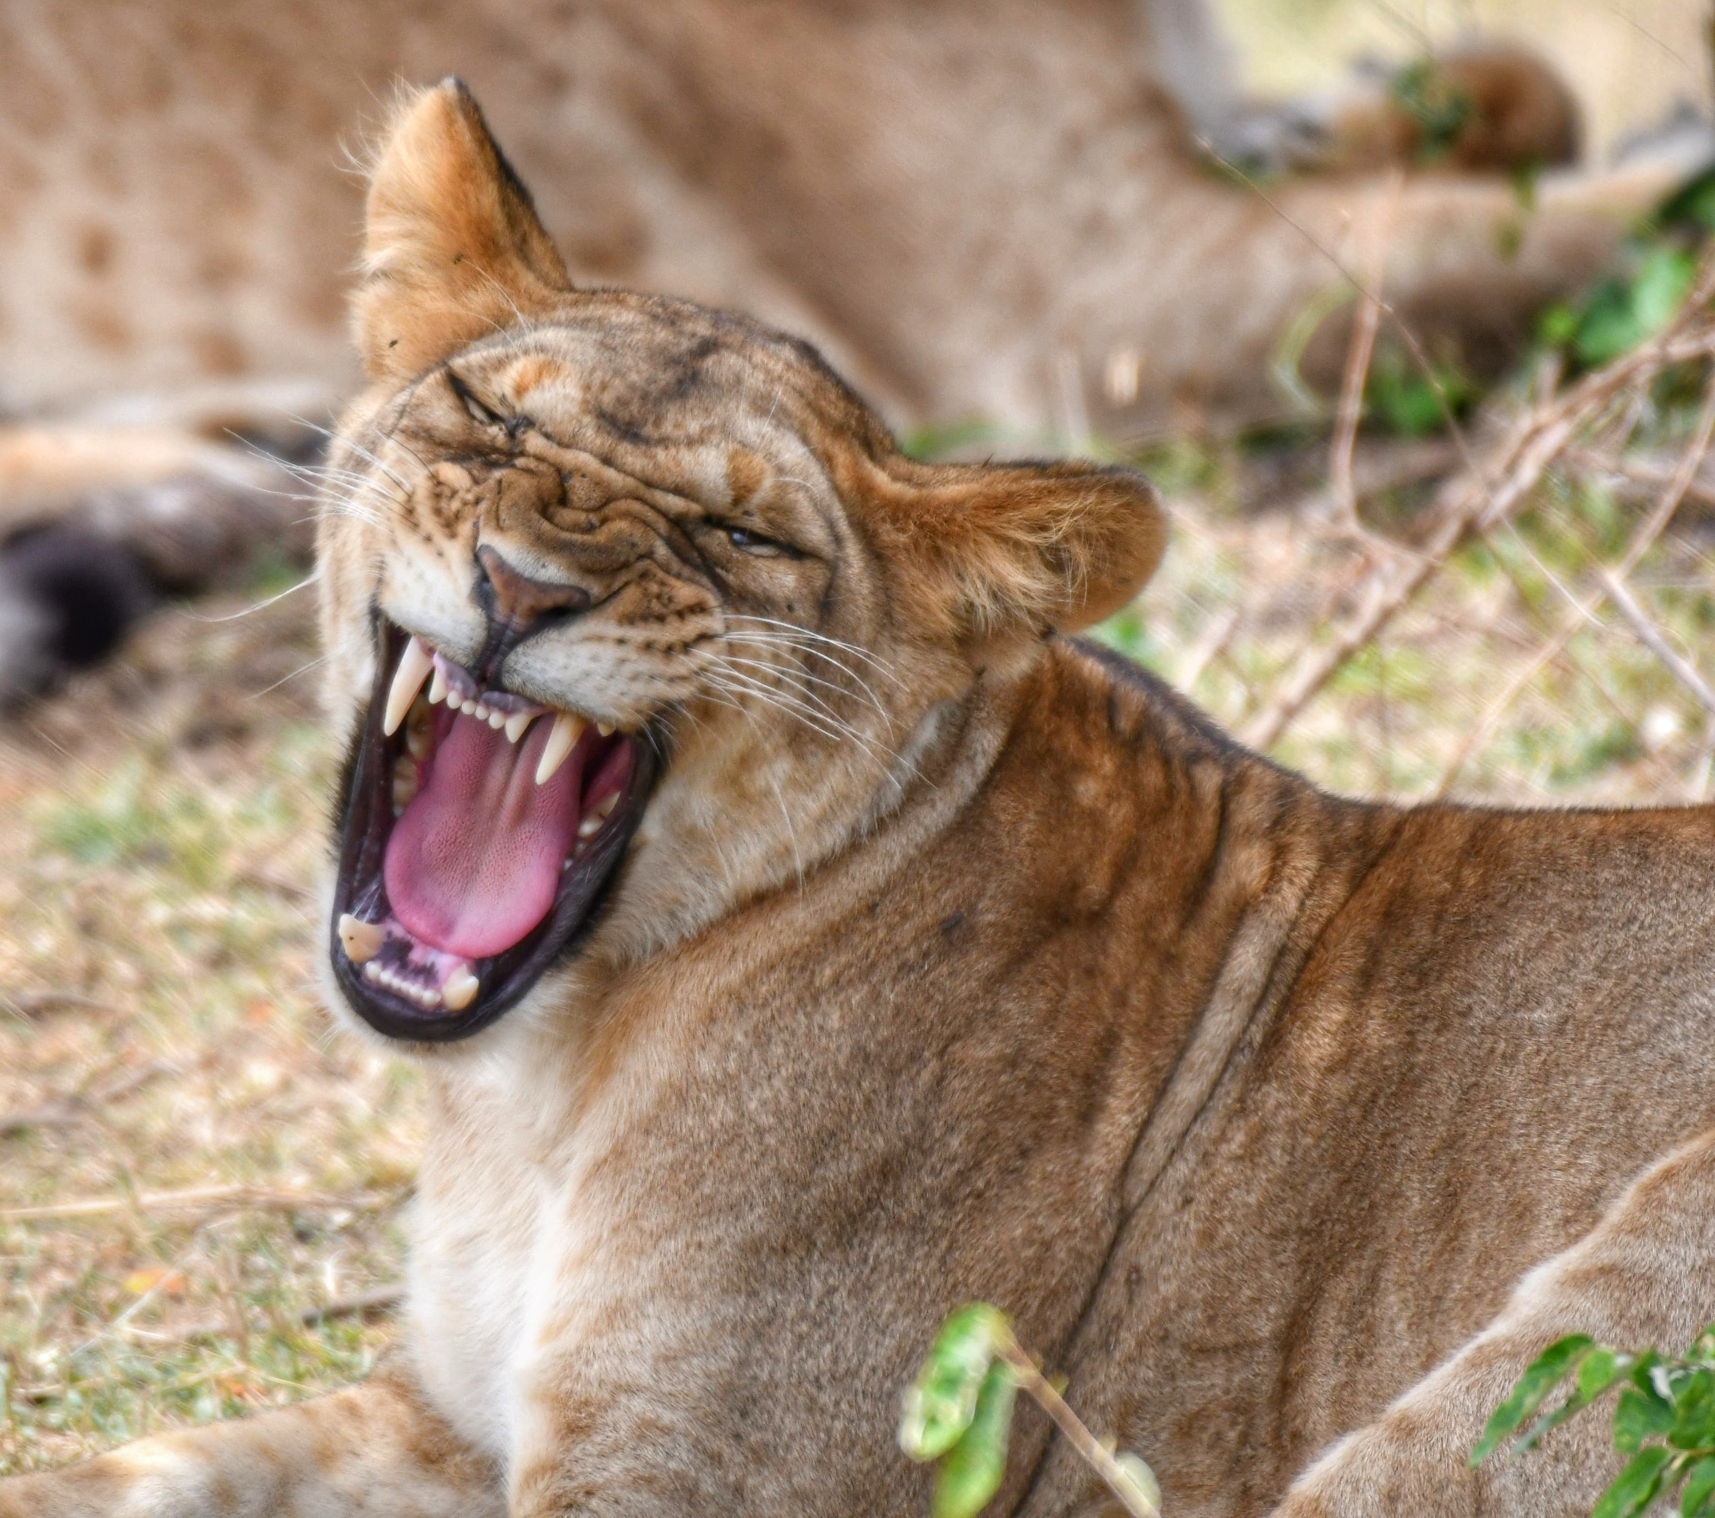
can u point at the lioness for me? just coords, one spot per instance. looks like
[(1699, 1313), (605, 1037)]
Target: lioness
[(976, 205), (801, 935)]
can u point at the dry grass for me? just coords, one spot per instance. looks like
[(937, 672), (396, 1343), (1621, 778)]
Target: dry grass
[(159, 1033), (193, 1167)]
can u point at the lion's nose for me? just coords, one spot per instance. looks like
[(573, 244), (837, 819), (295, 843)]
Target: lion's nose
[(517, 606)]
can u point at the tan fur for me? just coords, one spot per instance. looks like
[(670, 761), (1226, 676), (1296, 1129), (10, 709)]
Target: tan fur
[(954, 199), (952, 959), (1518, 116)]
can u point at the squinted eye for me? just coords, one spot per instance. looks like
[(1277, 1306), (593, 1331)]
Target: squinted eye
[(753, 542), (478, 412)]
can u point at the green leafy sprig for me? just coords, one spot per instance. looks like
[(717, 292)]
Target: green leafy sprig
[(1664, 1418), (959, 1412)]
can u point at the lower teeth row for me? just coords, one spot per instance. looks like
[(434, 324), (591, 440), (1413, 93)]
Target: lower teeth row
[(362, 942), (378, 974)]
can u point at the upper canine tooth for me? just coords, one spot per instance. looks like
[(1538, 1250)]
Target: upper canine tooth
[(360, 940), (605, 729), (568, 728), (414, 666), (516, 723)]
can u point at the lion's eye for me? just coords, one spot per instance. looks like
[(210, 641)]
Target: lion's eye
[(486, 415), (753, 542)]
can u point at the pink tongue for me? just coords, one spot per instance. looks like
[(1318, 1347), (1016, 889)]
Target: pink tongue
[(474, 863)]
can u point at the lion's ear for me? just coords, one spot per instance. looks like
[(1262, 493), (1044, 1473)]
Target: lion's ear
[(453, 248), (995, 548)]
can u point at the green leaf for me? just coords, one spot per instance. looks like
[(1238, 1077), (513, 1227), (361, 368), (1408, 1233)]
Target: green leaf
[(1697, 1496), (1541, 1376), (1599, 1370), (971, 1471), (1694, 1411), (1636, 1486), (941, 1403), (1643, 1411), (1661, 284)]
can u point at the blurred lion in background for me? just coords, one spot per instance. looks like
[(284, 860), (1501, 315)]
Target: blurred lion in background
[(1003, 209)]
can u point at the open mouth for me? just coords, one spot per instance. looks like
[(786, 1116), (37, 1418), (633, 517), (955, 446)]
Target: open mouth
[(480, 830)]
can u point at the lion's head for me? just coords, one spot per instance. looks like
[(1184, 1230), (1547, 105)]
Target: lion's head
[(632, 605)]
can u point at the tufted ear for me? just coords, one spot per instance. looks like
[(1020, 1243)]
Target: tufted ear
[(994, 548), (453, 248)]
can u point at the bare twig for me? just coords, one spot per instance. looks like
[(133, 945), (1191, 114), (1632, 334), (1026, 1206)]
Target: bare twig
[(1584, 610), (1362, 345), (56, 1112), (1651, 637), (1474, 503), (199, 1198), (1033, 1383), (34, 1003), (1413, 346), (66, 1110), (358, 1304)]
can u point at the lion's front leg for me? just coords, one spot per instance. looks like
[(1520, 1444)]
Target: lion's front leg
[(1645, 1275), (375, 1451)]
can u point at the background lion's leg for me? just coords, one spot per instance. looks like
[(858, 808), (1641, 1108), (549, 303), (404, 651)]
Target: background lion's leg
[(374, 1451), (1643, 1276)]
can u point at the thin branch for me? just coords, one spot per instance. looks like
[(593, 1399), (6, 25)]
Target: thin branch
[(198, 1198), (1584, 610), (1651, 637), (1031, 1381), (1473, 505), (1362, 345), (359, 1304)]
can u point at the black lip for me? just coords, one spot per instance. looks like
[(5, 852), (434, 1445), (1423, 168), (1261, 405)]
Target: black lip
[(364, 822)]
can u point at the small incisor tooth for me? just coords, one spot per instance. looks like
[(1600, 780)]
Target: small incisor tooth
[(497, 720), (516, 723), (460, 989), (568, 728), (606, 729), (360, 940), (414, 666), (437, 687)]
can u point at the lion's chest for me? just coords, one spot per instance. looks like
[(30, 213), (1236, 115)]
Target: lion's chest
[(497, 1236)]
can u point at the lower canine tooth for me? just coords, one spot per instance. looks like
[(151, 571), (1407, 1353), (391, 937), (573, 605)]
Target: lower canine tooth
[(360, 940), (568, 728), (597, 815), (460, 990), (404, 781), (419, 731)]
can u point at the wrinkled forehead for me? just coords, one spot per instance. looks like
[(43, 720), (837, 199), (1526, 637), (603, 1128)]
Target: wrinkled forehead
[(688, 406)]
